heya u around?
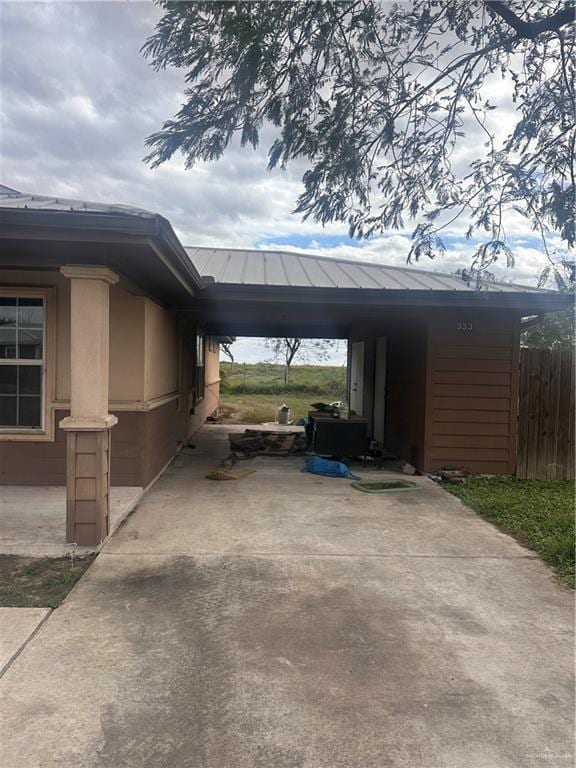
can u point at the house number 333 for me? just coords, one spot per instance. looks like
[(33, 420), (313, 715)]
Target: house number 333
[(463, 326)]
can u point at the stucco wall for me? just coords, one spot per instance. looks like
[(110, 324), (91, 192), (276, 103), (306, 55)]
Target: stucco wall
[(126, 335), (211, 400), (151, 378), (161, 351), (127, 346), (212, 362)]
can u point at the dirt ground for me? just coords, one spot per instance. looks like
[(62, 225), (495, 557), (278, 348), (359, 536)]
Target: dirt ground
[(259, 409), (39, 582)]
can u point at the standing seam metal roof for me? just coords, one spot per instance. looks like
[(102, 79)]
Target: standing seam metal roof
[(229, 266)]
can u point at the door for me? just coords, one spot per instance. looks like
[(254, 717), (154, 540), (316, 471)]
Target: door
[(379, 390), (357, 377)]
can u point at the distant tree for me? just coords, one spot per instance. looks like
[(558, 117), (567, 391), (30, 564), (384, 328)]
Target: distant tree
[(555, 330), (287, 349), (376, 100), (225, 347)]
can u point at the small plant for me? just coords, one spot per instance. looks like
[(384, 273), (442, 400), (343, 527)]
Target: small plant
[(42, 582)]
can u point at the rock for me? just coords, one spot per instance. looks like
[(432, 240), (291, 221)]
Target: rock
[(449, 474)]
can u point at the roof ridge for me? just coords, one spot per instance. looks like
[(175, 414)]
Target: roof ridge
[(74, 203)]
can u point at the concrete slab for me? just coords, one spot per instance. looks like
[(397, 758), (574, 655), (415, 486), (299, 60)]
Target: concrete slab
[(322, 630), (33, 519), (279, 510), (16, 627)]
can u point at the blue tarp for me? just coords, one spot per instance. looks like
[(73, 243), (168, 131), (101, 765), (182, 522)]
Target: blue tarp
[(328, 468)]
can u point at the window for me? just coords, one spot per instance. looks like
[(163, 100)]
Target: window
[(199, 365), (21, 362)]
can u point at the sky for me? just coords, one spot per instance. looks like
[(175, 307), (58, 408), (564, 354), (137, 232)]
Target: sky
[(77, 101)]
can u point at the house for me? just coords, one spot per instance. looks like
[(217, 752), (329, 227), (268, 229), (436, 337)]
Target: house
[(109, 333)]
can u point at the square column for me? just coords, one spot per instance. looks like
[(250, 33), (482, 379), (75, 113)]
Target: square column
[(89, 423)]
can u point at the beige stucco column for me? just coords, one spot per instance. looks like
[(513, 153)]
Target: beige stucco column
[(89, 423)]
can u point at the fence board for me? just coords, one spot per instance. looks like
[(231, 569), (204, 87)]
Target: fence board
[(546, 415), (544, 420), (522, 444), (570, 466), (551, 448)]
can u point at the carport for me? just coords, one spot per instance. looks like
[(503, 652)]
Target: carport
[(433, 360)]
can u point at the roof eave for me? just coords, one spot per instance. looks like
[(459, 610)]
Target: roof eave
[(77, 220), (153, 227), (537, 302), (175, 247)]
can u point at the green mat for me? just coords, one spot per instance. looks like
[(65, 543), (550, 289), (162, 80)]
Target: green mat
[(386, 486)]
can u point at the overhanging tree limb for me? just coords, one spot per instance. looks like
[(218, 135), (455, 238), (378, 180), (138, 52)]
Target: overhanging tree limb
[(378, 101), (531, 29)]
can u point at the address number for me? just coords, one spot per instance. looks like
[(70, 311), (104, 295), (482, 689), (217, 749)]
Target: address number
[(463, 326)]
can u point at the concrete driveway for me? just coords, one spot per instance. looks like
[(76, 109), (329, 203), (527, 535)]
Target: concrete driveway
[(288, 621)]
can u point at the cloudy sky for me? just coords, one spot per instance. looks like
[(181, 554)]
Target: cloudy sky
[(77, 102)]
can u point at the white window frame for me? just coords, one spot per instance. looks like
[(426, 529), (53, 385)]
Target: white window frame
[(45, 431), (200, 369)]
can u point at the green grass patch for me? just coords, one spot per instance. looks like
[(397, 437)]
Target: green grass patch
[(539, 513), (40, 582), (268, 379)]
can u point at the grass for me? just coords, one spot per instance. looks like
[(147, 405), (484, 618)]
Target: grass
[(268, 379), (41, 582), (539, 513), (252, 393)]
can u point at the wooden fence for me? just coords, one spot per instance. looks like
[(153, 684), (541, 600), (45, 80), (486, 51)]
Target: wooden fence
[(546, 415)]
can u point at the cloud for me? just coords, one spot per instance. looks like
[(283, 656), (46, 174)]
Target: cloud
[(393, 250), (78, 101), (253, 350)]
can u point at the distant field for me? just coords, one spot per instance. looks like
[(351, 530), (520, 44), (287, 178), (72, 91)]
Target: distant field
[(252, 393)]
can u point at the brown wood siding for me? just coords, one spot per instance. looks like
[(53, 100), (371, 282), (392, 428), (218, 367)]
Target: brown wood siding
[(126, 449), (142, 444), (472, 392), (406, 394), (35, 463), (160, 432), (204, 408)]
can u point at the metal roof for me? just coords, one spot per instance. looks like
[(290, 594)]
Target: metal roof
[(27, 211), (231, 266), (11, 198)]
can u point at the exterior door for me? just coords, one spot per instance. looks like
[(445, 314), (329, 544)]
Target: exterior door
[(357, 377), (379, 390)]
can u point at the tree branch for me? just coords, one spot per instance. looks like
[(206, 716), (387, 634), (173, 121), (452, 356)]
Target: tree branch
[(531, 29)]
